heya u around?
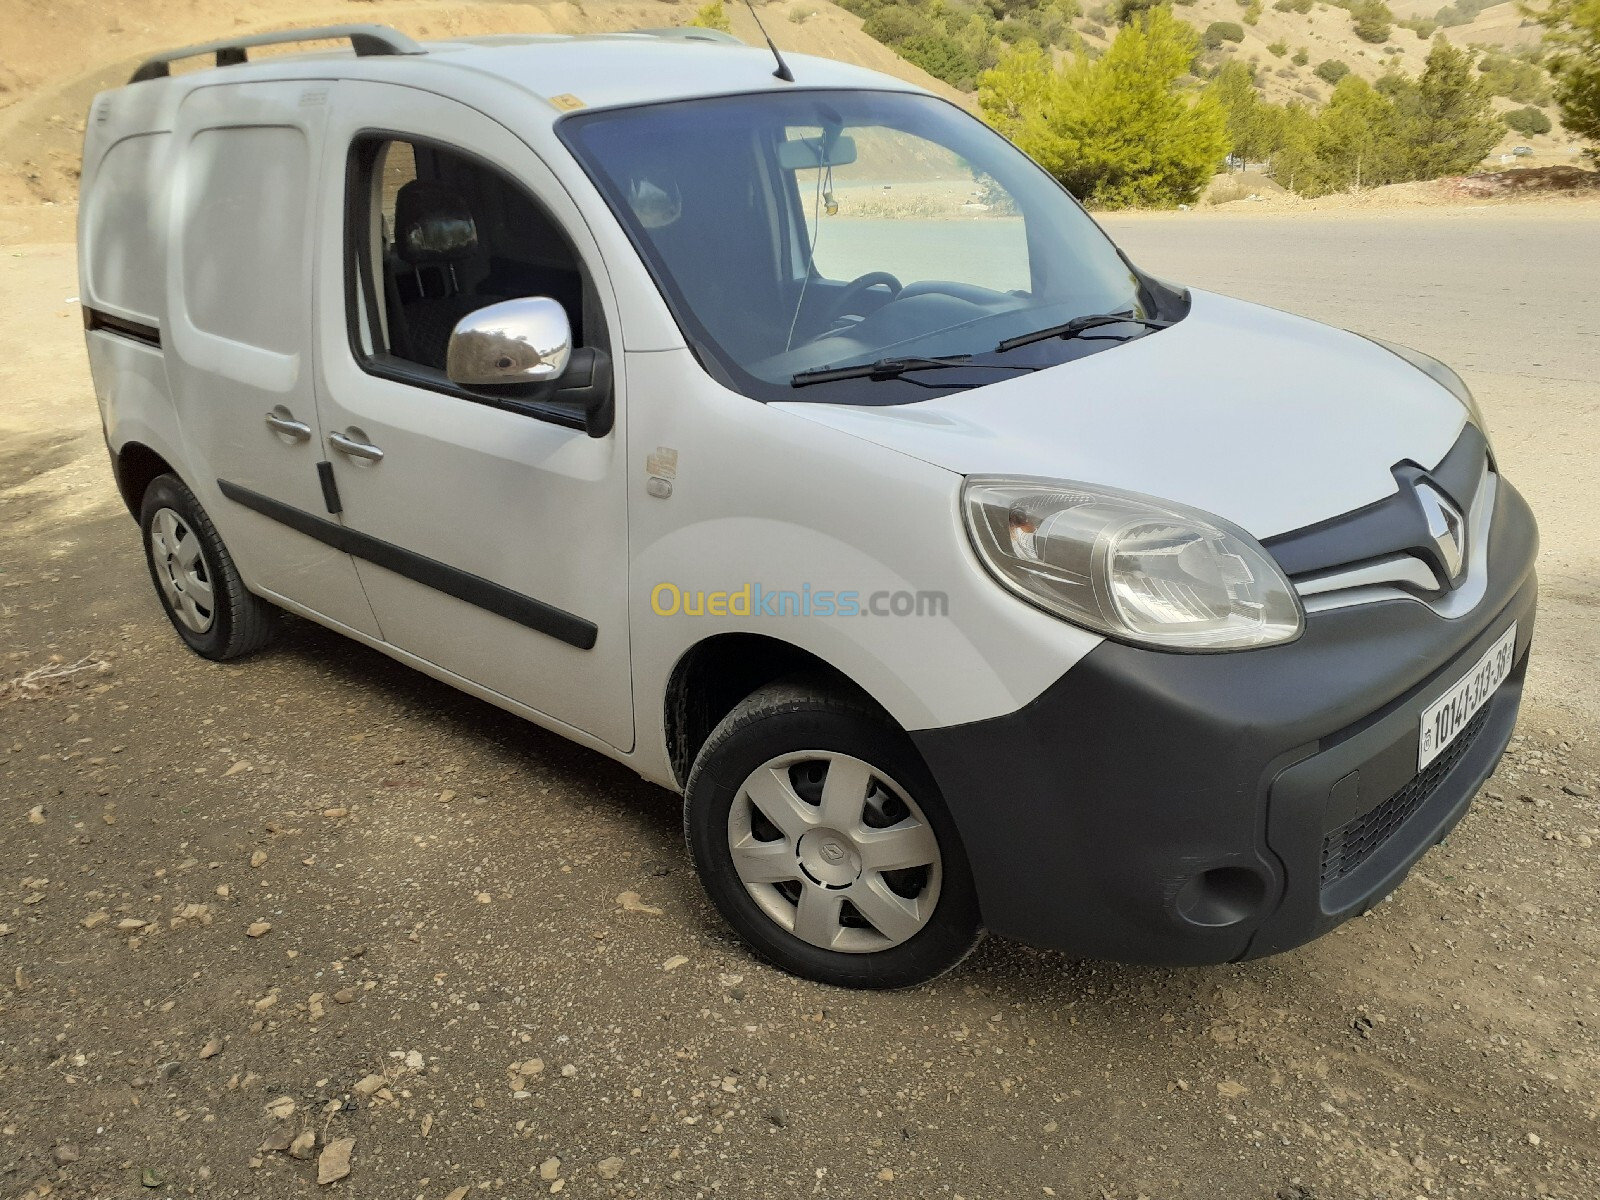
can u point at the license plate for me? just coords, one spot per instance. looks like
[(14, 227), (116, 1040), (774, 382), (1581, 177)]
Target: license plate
[(1447, 716)]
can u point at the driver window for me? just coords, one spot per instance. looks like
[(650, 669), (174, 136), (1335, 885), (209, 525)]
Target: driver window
[(440, 235), (913, 209)]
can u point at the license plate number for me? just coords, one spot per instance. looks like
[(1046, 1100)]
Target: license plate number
[(1444, 719)]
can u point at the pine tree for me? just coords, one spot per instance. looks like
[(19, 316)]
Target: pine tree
[(1255, 128), (1116, 131), (1447, 116), (1572, 27)]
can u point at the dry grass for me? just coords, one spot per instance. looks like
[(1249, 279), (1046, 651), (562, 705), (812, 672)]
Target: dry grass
[(51, 677)]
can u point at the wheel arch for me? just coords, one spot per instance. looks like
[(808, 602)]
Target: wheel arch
[(714, 675), (135, 466)]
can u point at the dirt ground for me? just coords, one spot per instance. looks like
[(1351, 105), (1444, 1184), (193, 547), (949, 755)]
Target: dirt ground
[(316, 893)]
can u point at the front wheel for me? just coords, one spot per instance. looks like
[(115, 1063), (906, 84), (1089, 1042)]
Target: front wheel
[(822, 839), (199, 586)]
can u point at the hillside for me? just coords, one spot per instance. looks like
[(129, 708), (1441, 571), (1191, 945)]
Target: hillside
[(58, 53), (1326, 33)]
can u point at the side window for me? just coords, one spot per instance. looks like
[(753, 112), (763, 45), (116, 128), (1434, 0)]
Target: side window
[(434, 235)]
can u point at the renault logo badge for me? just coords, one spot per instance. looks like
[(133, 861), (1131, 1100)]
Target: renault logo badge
[(1447, 529)]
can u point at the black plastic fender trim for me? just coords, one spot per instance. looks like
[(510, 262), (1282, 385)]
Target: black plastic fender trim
[(430, 572)]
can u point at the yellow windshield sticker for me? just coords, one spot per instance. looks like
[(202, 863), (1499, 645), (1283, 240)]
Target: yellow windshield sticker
[(566, 101)]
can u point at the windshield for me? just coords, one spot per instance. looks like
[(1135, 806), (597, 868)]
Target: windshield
[(793, 232)]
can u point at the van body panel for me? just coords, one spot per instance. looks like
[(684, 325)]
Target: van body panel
[(1268, 420), (875, 521), (528, 505), (238, 332)]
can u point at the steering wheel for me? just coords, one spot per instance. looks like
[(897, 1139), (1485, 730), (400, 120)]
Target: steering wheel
[(859, 287)]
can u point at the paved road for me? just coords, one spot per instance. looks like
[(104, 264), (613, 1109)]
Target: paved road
[(1509, 297)]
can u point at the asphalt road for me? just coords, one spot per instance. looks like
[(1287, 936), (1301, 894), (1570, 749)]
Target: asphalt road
[(1510, 298), (314, 891)]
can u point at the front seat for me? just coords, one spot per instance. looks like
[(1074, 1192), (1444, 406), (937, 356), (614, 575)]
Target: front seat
[(434, 228)]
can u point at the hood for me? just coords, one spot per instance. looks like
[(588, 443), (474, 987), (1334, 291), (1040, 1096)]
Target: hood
[(1269, 420)]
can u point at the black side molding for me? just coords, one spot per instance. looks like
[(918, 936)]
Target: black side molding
[(330, 487), (452, 581), (94, 319)]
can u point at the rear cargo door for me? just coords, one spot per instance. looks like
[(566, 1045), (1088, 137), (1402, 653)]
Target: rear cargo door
[(240, 331)]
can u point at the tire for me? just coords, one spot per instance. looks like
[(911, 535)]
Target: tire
[(876, 893), (195, 577)]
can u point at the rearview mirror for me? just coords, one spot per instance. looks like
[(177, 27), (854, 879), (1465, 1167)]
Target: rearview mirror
[(513, 342), (802, 153)]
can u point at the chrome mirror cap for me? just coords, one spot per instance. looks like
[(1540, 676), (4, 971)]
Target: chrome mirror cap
[(516, 341)]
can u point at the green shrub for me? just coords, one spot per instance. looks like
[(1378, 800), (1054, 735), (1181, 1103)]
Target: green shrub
[(1371, 20), (1222, 31), (799, 14), (1462, 11), (1527, 121), (1123, 11), (1301, 57), (1331, 71), (1295, 6), (1515, 79), (713, 16), (1572, 34), (1119, 131), (1278, 49)]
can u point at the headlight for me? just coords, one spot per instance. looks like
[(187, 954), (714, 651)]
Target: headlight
[(1440, 374), (1131, 567)]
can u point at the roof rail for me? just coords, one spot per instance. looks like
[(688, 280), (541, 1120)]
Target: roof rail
[(364, 40)]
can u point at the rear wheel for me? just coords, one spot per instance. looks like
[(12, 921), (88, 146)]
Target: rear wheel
[(822, 839), (199, 586)]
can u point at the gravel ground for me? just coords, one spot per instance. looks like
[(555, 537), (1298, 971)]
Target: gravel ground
[(252, 911)]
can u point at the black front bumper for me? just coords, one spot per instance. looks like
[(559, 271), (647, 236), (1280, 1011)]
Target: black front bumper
[(1195, 808)]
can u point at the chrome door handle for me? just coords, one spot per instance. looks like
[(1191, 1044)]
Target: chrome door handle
[(355, 449), (289, 427)]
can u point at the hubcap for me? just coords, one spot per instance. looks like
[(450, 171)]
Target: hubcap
[(835, 852), (181, 570)]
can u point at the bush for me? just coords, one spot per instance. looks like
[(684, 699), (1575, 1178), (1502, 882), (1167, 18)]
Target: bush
[(1301, 57), (799, 14), (1371, 20), (1295, 6), (1278, 49), (891, 24), (1222, 31), (1462, 11), (1331, 71), (1524, 82), (1124, 11), (713, 16), (1527, 121)]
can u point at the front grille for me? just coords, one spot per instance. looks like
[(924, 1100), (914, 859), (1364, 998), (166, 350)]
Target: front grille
[(1350, 845)]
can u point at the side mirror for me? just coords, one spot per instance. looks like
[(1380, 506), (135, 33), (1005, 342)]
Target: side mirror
[(513, 342)]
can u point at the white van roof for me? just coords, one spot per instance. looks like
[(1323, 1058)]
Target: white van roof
[(568, 71)]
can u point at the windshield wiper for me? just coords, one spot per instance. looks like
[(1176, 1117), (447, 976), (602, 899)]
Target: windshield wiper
[(894, 368), (1076, 327)]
